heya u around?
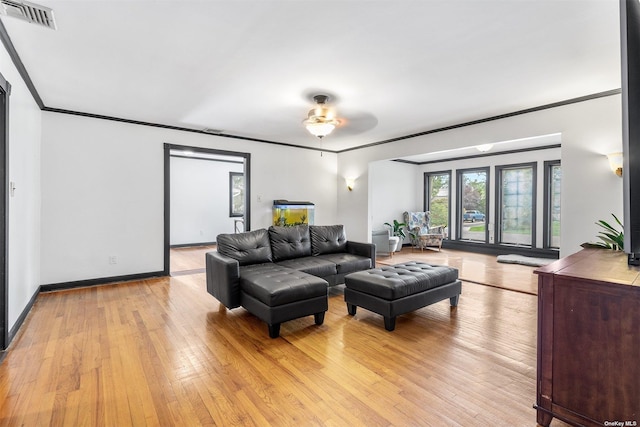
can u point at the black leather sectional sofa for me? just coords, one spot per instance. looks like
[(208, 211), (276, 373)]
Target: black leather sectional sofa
[(284, 273)]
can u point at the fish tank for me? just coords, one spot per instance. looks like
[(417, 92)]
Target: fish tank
[(289, 214)]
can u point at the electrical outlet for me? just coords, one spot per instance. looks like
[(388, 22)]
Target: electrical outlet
[(113, 259)]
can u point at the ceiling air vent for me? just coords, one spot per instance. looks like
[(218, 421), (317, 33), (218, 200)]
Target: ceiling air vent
[(29, 12)]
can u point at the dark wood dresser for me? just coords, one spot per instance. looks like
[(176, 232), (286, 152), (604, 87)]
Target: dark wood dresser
[(589, 340)]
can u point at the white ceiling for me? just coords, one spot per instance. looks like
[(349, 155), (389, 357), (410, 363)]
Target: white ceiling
[(249, 68)]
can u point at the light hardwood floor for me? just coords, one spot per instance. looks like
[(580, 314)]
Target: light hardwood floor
[(478, 268), (188, 260), (164, 352), (473, 267)]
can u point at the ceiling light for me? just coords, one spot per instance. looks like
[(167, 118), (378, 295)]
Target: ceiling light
[(321, 121), (484, 147)]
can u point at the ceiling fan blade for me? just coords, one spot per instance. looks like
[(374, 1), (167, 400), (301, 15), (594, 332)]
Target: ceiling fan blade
[(356, 123)]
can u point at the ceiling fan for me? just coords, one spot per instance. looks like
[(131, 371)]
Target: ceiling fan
[(322, 119)]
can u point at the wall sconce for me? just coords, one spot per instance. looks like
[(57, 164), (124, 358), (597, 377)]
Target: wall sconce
[(615, 163), (351, 182)]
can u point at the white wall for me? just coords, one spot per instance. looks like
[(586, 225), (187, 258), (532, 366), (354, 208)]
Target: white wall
[(590, 191), (103, 192), (200, 199), (393, 191), (102, 182), (24, 207)]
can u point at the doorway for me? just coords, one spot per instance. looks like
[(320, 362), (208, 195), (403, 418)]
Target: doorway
[(206, 192)]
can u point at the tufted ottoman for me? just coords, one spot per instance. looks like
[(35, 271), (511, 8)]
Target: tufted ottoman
[(277, 294), (401, 288)]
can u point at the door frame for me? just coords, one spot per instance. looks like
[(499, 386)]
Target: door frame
[(167, 190), (5, 91)]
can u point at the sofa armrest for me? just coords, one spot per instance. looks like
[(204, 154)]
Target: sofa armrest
[(363, 249), (223, 279)]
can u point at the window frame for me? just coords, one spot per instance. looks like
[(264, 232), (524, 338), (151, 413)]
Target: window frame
[(232, 213), (427, 199), (547, 222), (459, 197), (499, 196)]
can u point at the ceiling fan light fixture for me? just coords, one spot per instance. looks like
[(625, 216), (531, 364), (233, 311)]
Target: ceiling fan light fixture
[(320, 121), (320, 129)]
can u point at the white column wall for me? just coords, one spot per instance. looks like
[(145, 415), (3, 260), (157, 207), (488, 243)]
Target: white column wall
[(25, 123), (103, 192), (589, 130)]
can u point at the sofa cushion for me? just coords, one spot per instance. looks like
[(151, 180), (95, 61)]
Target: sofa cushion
[(327, 239), (289, 242), (275, 285), (251, 247), (347, 263), (312, 265)]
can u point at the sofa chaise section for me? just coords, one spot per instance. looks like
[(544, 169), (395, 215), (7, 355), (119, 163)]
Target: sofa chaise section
[(283, 273)]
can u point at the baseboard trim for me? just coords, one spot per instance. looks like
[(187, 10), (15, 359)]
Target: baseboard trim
[(101, 281), (192, 245), (493, 249), (23, 316)]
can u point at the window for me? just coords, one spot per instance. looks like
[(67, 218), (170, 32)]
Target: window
[(236, 194), (438, 197), (552, 188), (516, 204), (473, 196)]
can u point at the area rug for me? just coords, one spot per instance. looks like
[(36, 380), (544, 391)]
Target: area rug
[(524, 260)]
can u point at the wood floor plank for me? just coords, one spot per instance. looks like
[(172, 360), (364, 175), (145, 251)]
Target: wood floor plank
[(473, 267), (164, 352), (188, 258)]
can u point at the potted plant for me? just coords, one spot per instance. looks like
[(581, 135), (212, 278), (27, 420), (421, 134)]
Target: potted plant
[(397, 230), (611, 238)]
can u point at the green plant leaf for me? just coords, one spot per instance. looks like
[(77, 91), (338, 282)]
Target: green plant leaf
[(397, 228), (611, 237), (618, 221), (606, 225)]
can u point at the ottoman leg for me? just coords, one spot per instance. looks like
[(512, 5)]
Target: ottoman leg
[(454, 300), (319, 318), (274, 330), (389, 323), (351, 308)]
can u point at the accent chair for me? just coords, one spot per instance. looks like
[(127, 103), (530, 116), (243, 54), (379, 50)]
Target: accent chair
[(422, 234)]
